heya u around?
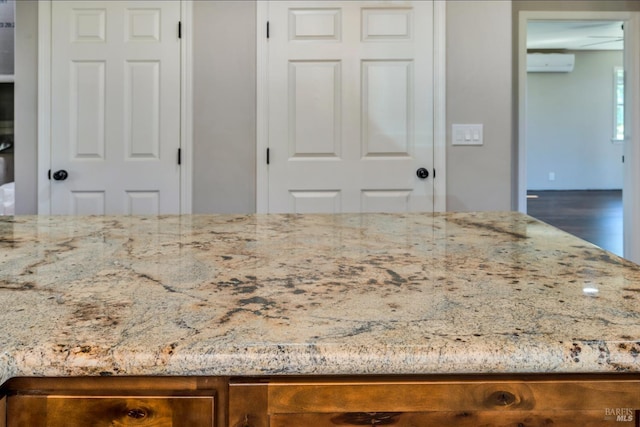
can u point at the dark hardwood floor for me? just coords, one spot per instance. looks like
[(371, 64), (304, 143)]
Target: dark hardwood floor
[(593, 215)]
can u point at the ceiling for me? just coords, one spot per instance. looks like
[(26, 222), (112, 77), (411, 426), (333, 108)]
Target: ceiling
[(575, 35)]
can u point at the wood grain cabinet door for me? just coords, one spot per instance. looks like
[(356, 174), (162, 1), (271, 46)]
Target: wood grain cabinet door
[(438, 403), (110, 411)]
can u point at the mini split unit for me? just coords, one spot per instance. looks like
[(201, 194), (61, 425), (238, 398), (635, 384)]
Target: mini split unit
[(550, 62)]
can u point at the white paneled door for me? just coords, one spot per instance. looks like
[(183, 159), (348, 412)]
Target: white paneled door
[(115, 107), (350, 104)]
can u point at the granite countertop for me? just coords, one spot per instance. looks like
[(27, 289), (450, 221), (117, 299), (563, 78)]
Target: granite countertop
[(311, 294)]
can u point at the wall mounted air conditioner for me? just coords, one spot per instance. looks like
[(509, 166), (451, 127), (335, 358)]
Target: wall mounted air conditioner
[(550, 62)]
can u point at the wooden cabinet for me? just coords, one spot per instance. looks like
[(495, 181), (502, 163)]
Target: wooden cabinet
[(442, 401), (455, 402), (108, 402)]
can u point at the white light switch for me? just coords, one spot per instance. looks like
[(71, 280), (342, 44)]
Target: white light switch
[(466, 135)]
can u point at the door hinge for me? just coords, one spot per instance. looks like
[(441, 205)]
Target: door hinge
[(267, 29), (434, 173), (268, 156), (179, 29), (179, 156), (49, 174), (622, 159)]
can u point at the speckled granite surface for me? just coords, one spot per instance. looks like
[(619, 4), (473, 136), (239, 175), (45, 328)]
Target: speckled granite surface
[(344, 294)]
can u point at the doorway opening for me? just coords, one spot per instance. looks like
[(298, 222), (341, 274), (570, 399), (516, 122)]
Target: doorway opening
[(631, 171), (575, 128)]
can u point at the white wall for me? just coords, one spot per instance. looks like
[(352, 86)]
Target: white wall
[(479, 88), (570, 126), (224, 106), (25, 105)]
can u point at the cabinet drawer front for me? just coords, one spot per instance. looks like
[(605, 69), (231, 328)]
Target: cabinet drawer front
[(109, 411), (463, 396), (456, 419)]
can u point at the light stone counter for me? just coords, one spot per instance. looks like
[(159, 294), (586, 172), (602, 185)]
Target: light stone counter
[(314, 294)]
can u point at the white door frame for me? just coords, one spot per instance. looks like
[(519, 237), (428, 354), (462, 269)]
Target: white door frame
[(45, 107), (439, 110), (632, 130)]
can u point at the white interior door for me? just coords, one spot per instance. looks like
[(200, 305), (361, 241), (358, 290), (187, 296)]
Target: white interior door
[(350, 104), (115, 107)]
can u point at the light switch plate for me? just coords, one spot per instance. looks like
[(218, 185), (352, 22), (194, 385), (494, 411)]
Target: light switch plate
[(466, 135)]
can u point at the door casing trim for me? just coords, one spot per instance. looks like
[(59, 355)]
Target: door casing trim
[(44, 107)]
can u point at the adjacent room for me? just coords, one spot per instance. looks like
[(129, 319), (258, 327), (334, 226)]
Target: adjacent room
[(575, 128)]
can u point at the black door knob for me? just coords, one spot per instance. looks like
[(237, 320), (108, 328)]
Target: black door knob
[(422, 173), (60, 175)]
